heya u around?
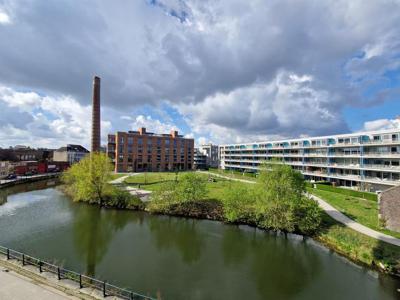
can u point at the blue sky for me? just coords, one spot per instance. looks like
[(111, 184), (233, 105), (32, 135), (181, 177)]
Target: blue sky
[(218, 70)]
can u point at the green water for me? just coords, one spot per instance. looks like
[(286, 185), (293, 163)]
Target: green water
[(179, 258)]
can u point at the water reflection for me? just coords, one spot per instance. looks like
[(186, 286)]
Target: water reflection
[(179, 234), (276, 261), (94, 229), (27, 187)]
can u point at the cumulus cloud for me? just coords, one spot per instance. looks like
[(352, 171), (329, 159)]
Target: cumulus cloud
[(382, 124), (43, 121), (234, 69), (151, 125)]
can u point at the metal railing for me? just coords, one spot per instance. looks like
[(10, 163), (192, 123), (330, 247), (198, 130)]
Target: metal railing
[(84, 281)]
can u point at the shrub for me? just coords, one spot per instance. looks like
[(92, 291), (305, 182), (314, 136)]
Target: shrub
[(238, 203), (191, 187)]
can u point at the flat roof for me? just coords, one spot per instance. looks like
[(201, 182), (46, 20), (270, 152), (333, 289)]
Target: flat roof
[(354, 134)]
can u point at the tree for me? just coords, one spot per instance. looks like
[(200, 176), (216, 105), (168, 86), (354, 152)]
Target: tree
[(238, 203), (191, 187), (281, 204), (88, 180)]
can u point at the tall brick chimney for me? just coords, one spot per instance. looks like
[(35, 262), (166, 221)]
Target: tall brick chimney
[(96, 115)]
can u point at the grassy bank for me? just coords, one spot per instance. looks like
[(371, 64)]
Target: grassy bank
[(363, 211), (358, 247)]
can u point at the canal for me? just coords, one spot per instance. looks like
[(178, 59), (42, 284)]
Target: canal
[(179, 258)]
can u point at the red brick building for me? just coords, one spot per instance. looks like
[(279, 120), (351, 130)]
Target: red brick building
[(139, 151)]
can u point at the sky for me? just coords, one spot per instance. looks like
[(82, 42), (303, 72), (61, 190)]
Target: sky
[(221, 71)]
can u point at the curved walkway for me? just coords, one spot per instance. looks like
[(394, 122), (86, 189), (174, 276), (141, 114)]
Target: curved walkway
[(338, 216)]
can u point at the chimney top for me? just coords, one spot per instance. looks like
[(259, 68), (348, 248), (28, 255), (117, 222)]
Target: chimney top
[(174, 133), (96, 79), (142, 130)]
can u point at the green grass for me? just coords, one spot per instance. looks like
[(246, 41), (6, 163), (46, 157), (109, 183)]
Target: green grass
[(234, 174), (151, 178), (357, 246), (344, 191), (116, 176), (361, 210)]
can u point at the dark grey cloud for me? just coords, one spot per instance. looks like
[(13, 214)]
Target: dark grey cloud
[(187, 52)]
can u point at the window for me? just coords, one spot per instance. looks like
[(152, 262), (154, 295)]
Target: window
[(140, 141), (130, 140)]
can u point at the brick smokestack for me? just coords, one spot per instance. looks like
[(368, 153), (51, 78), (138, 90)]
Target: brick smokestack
[(96, 115)]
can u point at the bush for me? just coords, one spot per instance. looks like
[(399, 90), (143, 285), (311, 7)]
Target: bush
[(308, 216), (122, 199), (238, 204), (191, 187)]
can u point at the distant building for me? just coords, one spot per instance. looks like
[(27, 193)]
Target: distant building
[(200, 160), (23, 153), (5, 168), (211, 152), (138, 151), (362, 160), (70, 154)]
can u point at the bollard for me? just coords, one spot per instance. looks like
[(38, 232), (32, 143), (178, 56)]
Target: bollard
[(80, 281), (23, 259), (104, 289), (8, 254), (40, 266), (58, 273), (131, 296)]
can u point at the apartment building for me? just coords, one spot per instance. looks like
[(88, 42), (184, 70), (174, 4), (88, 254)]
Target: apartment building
[(138, 151), (366, 160), (200, 160), (70, 153), (211, 152)]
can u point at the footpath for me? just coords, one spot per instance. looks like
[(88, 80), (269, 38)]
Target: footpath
[(337, 215)]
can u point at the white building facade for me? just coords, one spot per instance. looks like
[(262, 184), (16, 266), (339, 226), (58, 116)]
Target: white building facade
[(367, 160)]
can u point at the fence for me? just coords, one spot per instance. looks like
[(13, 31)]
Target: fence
[(83, 280)]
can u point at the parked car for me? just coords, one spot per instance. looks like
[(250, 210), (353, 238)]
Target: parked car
[(11, 176)]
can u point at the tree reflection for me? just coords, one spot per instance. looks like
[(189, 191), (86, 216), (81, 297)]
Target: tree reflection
[(94, 229), (282, 267), (179, 233)]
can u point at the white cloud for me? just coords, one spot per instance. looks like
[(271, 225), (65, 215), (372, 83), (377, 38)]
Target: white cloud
[(382, 124), (4, 17), (152, 125), (45, 121), (285, 107)]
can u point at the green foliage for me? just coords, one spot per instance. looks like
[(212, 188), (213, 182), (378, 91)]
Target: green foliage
[(238, 202), (164, 197), (191, 187), (88, 179), (280, 202), (307, 215), (347, 192), (122, 199)]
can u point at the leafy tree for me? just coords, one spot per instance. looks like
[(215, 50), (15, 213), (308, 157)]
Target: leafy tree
[(191, 187), (238, 203), (281, 204), (88, 180)]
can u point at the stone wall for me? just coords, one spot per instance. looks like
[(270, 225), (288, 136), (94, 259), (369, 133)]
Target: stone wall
[(389, 208)]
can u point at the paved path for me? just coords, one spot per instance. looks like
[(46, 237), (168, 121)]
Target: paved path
[(338, 216), (16, 287), (119, 180)]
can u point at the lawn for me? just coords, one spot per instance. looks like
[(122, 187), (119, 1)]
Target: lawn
[(151, 178), (234, 174), (361, 210), (116, 175)]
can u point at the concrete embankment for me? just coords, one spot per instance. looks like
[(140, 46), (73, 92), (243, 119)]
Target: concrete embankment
[(20, 283), (27, 179)]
